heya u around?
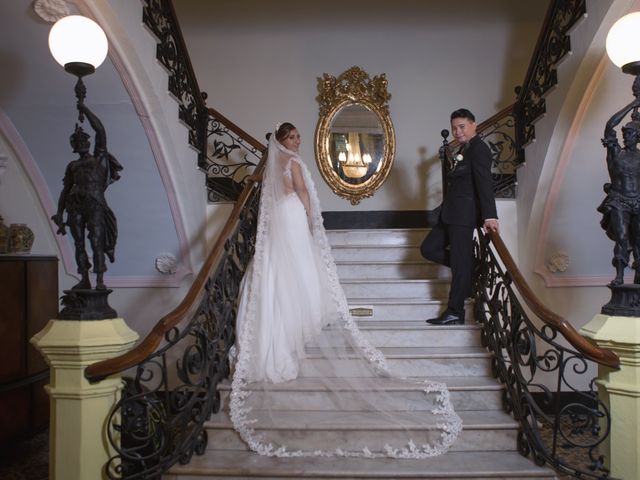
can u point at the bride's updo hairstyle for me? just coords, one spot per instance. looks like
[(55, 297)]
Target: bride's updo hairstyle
[(283, 131)]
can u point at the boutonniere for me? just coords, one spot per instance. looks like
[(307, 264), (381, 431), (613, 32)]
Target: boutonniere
[(457, 158)]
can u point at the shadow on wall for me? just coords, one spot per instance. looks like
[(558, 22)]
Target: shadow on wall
[(429, 172), (428, 192)]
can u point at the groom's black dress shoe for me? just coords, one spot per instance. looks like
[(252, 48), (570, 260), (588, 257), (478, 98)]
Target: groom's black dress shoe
[(447, 318)]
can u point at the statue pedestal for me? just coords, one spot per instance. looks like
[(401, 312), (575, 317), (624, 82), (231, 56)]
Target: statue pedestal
[(625, 301), (77, 437), (86, 304), (620, 390)]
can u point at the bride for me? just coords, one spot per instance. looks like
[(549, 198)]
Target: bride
[(294, 325)]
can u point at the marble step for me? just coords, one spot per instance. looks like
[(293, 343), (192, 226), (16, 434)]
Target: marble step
[(482, 431), (242, 465), (413, 333), (428, 362), (383, 288), (371, 269), (466, 393), (401, 309), (359, 253), (410, 236)]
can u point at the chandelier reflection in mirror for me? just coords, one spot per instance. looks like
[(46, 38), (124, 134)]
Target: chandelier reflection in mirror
[(355, 140)]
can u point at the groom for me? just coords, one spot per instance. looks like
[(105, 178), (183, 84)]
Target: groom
[(469, 202)]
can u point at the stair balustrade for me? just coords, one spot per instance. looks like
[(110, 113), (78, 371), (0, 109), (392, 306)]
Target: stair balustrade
[(225, 152), (542, 376), (159, 420)]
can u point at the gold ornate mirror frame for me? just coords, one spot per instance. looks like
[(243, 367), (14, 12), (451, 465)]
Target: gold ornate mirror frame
[(360, 174)]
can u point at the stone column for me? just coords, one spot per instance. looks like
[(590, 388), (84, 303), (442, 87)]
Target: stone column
[(620, 390), (79, 448)]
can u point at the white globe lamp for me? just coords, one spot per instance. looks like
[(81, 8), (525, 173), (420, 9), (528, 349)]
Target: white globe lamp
[(78, 44), (623, 43)]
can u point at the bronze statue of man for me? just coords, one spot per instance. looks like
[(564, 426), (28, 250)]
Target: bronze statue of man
[(82, 197), (621, 207)]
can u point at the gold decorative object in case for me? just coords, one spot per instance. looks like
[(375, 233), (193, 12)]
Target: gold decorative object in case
[(355, 143)]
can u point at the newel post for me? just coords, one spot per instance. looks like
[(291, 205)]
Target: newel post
[(620, 390), (79, 448)]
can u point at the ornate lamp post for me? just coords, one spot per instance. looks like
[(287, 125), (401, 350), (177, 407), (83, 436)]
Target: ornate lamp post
[(78, 408), (80, 46), (621, 207)]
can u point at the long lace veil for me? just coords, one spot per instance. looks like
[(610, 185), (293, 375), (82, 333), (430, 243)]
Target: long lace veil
[(343, 381)]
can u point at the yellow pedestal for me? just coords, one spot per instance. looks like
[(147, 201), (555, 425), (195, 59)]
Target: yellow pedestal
[(620, 390), (78, 444)]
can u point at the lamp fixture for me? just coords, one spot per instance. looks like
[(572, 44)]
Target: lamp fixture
[(622, 43), (78, 44)]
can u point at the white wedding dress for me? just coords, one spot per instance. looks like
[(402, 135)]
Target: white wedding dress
[(293, 321)]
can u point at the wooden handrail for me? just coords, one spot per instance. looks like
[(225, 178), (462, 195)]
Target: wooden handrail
[(100, 370), (603, 356)]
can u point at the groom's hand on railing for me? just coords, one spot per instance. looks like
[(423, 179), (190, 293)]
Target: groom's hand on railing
[(491, 225)]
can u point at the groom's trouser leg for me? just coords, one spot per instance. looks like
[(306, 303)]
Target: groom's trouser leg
[(461, 257), (435, 246)]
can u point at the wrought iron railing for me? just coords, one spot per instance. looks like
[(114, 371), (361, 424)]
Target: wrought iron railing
[(553, 44), (159, 419), (548, 388), (160, 18), (225, 152), (232, 156)]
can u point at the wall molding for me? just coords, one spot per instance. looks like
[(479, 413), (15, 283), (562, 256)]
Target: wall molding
[(540, 268)]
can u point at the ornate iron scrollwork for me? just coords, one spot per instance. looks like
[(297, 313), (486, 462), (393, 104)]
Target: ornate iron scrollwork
[(553, 45), (230, 159), (522, 354), (500, 136), (159, 420), (171, 52)]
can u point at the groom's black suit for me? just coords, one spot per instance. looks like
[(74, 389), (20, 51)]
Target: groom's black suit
[(469, 200)]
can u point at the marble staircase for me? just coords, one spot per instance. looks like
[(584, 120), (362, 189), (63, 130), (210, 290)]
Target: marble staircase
[(392, 290)]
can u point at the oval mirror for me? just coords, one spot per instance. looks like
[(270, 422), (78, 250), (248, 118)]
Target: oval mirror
[(355, 140)]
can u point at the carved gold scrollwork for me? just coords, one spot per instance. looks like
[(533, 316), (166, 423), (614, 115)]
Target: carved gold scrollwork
[(355, 139)]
